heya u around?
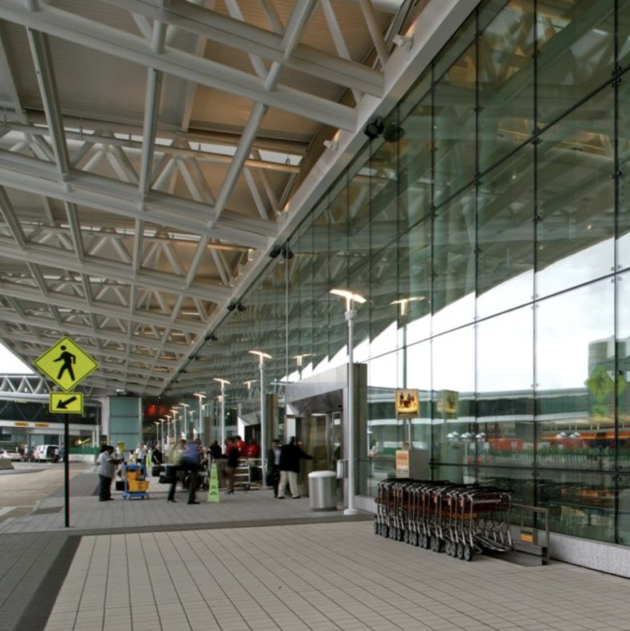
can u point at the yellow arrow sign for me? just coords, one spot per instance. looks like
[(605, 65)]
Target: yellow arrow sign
[(66, 363), (66, 403)]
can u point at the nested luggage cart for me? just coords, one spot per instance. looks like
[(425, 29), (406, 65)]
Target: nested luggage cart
[(136, 486), (461, 519)]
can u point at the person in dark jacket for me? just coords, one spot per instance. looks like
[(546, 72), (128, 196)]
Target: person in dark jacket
[(290, 457), (232, 454), (273, 466)]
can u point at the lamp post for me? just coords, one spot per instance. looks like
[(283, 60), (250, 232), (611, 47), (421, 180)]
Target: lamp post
[(162, 445), (249, 387), (261, 364), (201, 397), (175, 412), (403, 311), (186, 428), (168, 422), (192, 428), (222, 423), (157, 431), (350, 299), (299, 360)]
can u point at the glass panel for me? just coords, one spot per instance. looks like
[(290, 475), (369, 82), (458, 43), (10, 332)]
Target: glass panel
[(506, 78), (574, 391), (580, 504), (505, 276), (454, 263), (576, 48), (418, 375), (519, 481), (416, 164), (576, 197), (455, 121), (623, 368), (623, 130), (384, 190), (623, 507), (321, 282), (505, 374), (453, 357), (414, 281), (623, 32)]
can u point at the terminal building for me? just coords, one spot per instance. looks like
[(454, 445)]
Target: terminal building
[(288, 211)]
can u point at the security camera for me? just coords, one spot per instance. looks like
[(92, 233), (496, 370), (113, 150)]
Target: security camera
[(374, 129)]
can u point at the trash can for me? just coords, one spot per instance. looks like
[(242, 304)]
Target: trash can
[(322, 490)]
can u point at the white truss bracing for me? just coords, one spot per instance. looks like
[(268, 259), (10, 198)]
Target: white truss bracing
[(130, 223)]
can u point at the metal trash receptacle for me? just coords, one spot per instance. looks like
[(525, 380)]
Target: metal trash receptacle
[(322, 490)]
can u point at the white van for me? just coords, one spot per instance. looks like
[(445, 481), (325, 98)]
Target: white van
[(47, 453)]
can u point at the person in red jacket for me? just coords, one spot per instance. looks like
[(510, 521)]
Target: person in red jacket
[(240, 445), (251, 449)]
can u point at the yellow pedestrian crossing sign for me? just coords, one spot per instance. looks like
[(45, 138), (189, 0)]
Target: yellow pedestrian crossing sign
[(66, 363), (66, 403)]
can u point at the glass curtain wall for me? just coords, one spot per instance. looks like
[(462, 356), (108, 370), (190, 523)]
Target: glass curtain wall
[(488, 227)]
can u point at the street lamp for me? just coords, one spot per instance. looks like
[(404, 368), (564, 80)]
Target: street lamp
[(175, 412), (350, 299), (222, 424), (299, 360), (185, 428), (192, 428), (261, 364), (201, 397), (162, 444), (249, 386), (168, 422)]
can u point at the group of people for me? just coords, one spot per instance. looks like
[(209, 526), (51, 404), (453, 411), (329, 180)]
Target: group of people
[(186, 460)]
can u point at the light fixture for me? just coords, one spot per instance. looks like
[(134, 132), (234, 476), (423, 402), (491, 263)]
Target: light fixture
[(393, 133), (403, 302), (402, 41)]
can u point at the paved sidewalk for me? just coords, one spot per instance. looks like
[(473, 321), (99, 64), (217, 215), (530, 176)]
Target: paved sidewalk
[(320, 577), (146, 565)]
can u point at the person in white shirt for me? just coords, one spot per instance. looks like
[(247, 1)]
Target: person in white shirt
[(106, 470), (141, 454)]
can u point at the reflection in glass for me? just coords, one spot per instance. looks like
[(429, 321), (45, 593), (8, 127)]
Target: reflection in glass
[(505, 235), (506, 80), (454, 103), (574, 355), (576, 48), (505, 375), (576, 198), (454, 263), (453, 357), (622, 377), (581, 505)]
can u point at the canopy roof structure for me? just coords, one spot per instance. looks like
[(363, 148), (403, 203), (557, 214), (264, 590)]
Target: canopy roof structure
[(153, 153)]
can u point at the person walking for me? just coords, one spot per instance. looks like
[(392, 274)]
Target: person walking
[(191, 464), (106, 471), (175, 457), (215, 450), (232, 454), (290, 457), (273, 466)]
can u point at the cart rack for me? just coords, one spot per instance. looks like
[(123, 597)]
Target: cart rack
[(461, 519)]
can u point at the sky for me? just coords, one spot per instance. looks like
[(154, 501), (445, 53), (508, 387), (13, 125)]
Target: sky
[(10, 364)]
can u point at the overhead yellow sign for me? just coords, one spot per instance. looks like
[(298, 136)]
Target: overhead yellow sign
[(66, 403), (66, 363)]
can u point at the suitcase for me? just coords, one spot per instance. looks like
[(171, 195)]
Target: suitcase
[(156, 470), (120, 485)]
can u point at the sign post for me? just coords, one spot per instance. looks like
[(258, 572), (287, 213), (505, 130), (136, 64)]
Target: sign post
[(67, 364)]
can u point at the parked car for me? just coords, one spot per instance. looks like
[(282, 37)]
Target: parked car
[(4, 453), (16, 455)]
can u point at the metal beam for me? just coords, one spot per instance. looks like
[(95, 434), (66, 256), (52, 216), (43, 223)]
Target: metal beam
[(136, 49), (42, 59)]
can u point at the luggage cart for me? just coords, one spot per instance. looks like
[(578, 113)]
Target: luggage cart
[(462, 519), (135, 483)]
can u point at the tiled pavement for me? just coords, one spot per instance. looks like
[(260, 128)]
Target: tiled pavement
[(312, 575)]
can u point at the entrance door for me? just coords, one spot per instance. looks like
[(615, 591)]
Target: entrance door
[(321, 435)]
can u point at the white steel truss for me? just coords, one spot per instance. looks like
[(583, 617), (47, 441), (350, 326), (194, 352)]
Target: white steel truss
[(149, 157)]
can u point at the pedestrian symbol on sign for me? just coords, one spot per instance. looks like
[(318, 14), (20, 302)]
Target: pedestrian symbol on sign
[(66, 363), (68, 359)]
